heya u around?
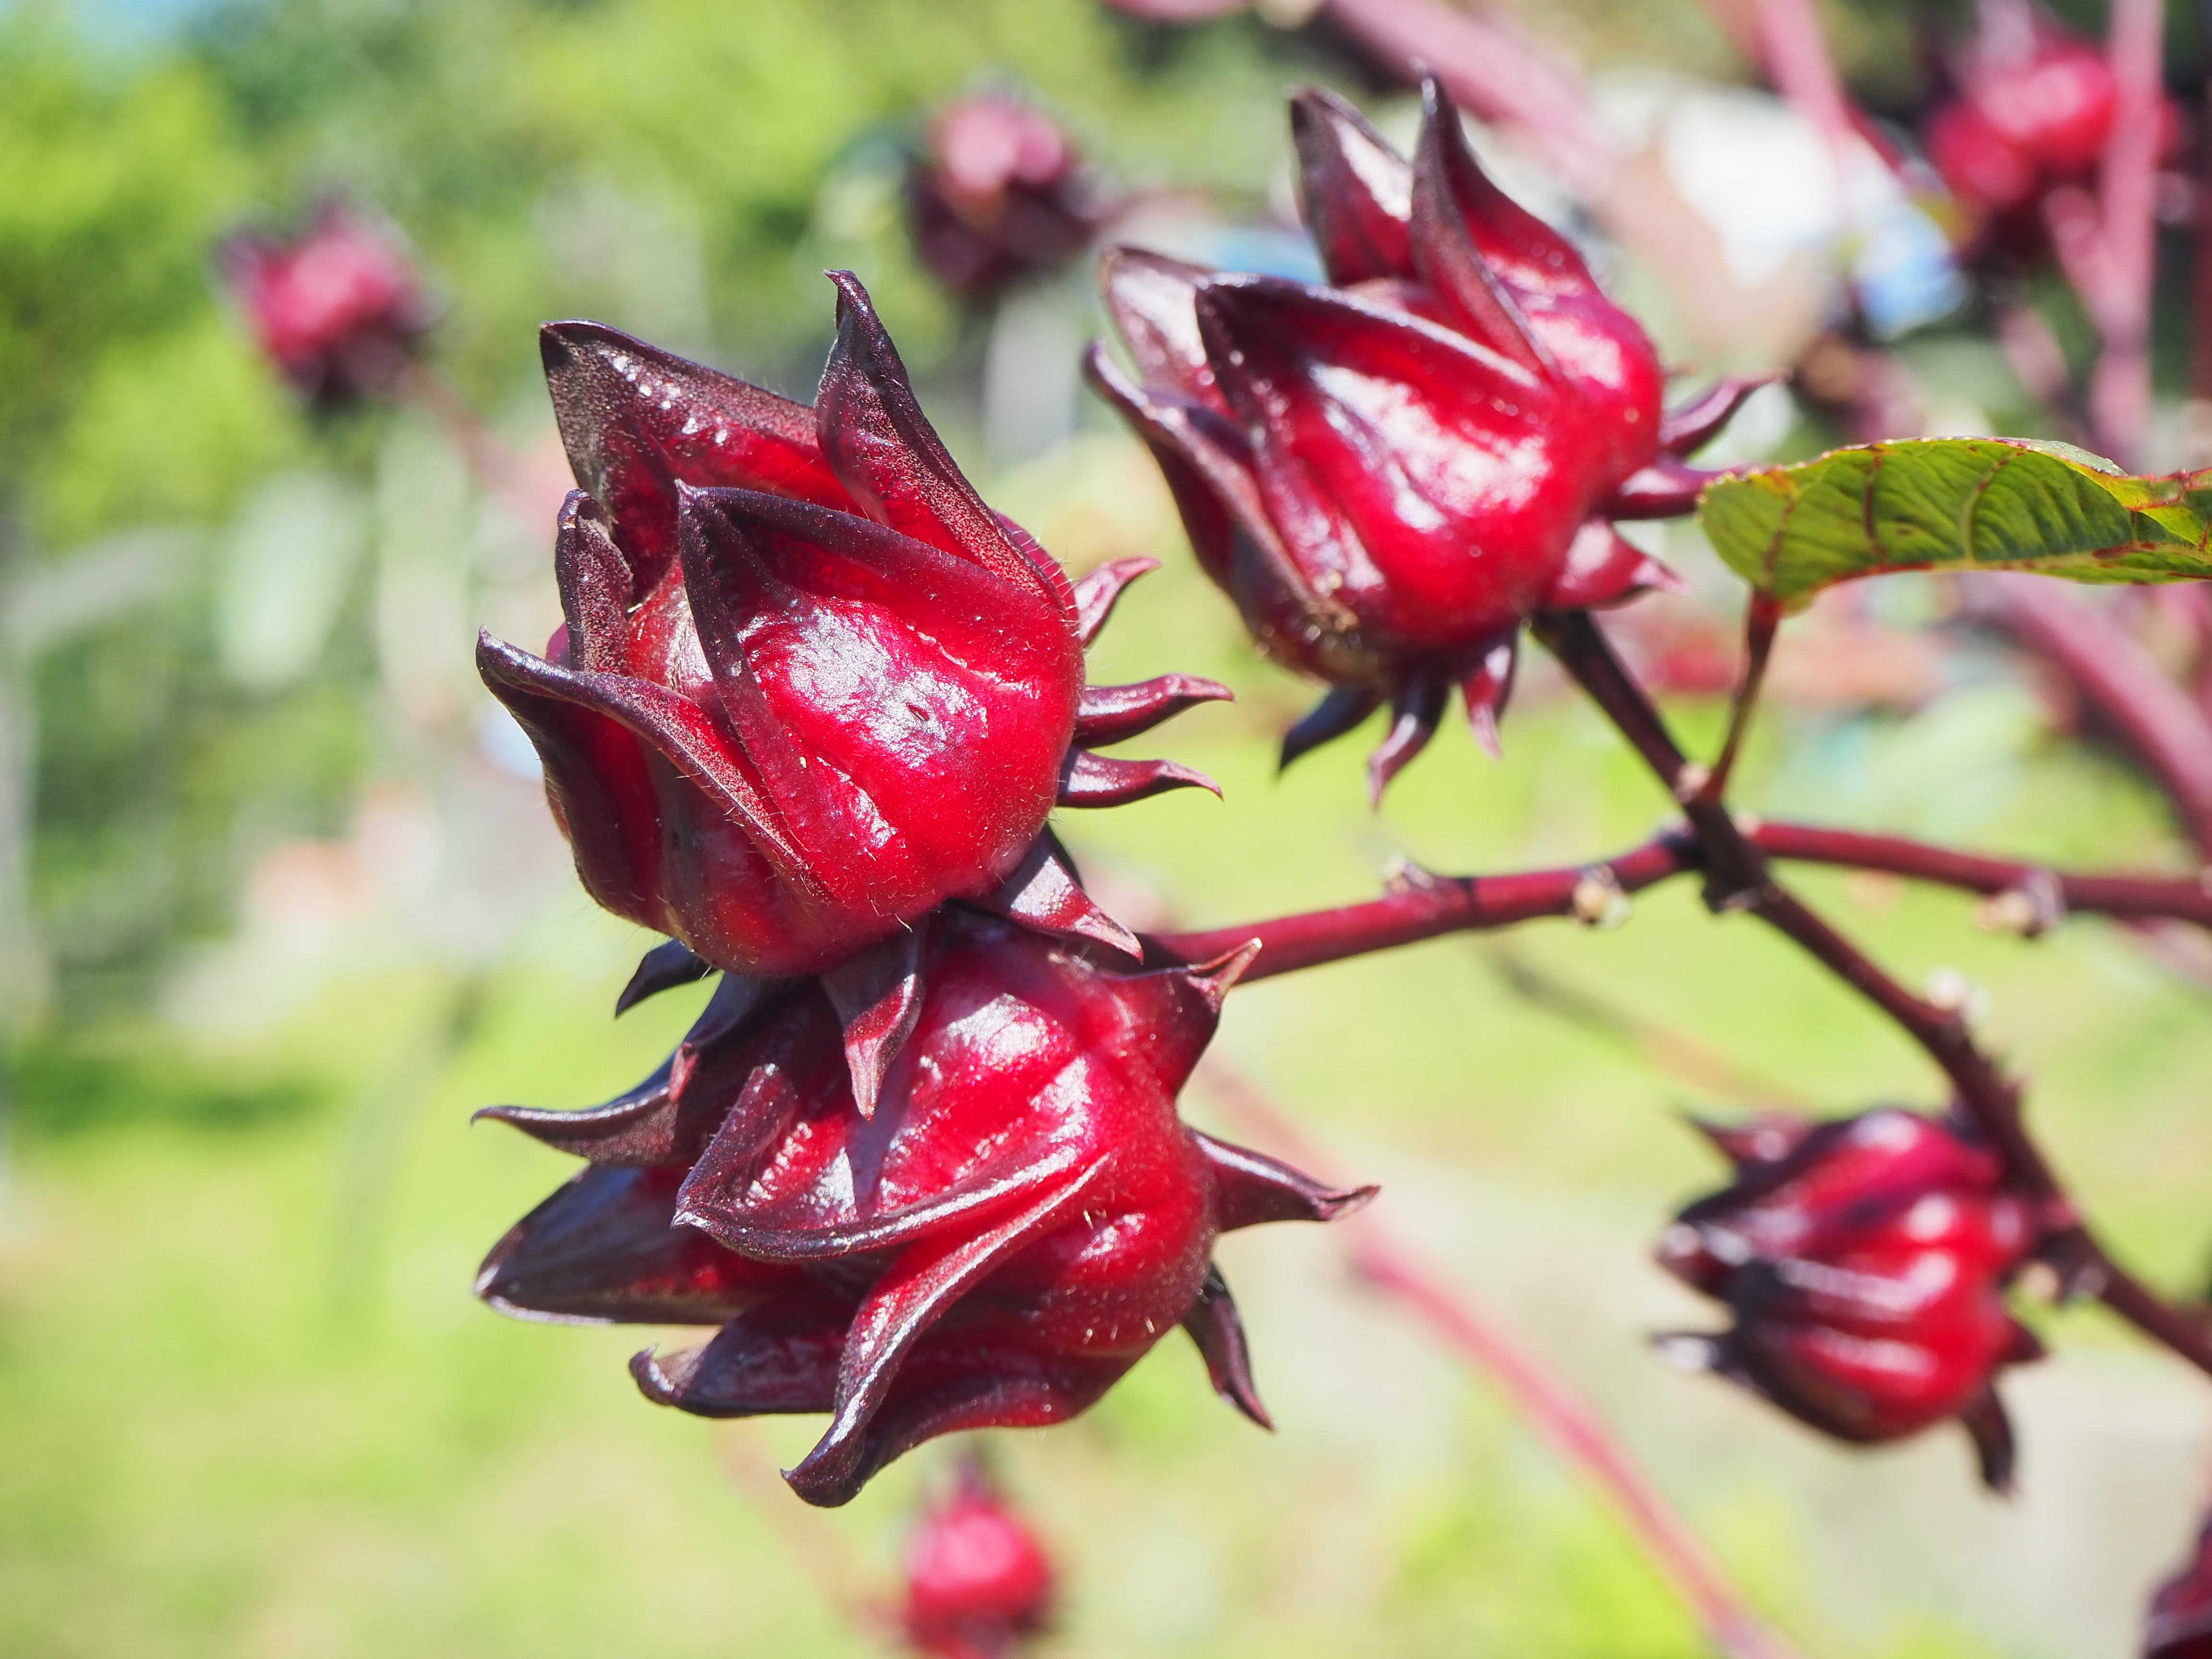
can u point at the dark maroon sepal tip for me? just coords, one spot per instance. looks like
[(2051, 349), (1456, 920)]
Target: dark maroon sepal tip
[(664, 967), (1219, 1334), (1090, 781), (1253, 1189), (878, 997), (1098, 593), (1696, 423), (1339, 712), (1416, 712), (1044, 893), (1996, 1453), (1114, 714)]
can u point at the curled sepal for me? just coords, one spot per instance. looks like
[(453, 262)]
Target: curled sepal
[(1603, 568), (1415, 712), (1219, 1335), (664, 968), (1487, 685), (1339, 712), (1251, 1190), (1449, 187), (878, 997), (1355, 191), (1089, 780), (1149, 296), (1115, 713), (914, 1293), (1690, 426), (773, 1361), (635, 419), (1097, 593), (1043, 893), (1667, 489), (602, 1251), (1989, 1428), (594, 581)]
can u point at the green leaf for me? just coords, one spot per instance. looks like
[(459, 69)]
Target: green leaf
[(1956, 504)]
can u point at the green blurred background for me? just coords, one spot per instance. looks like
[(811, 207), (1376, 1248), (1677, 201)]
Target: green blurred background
[(286, 908)]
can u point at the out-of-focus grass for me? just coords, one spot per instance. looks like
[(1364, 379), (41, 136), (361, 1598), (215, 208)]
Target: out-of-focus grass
[(247, 1405)]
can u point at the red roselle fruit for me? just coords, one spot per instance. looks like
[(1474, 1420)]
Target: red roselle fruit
[(1020, 1219), (810, 685), (1389, 474), (997, 193), (2180, 1624), (1865, 1261), (2033, 108), (978, 1582), (339, 308)]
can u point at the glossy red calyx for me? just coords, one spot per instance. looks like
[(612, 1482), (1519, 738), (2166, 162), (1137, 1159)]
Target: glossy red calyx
[(2033, 109), (1389, 474), (978, 1582), (338, 308), (997, 193), (810, 685), (2180, 1622), (1865, 1261), (1023, 1216)]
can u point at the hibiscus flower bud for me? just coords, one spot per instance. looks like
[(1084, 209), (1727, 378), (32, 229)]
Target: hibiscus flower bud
[(2180, 1624), (339, 309), (810, 686), (1021, 1217), (1865, 1262), (977, 1581), (997, 193), (1389, 475)]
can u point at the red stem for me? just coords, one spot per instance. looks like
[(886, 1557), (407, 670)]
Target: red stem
[(1568, 1423), (1984, 1091)]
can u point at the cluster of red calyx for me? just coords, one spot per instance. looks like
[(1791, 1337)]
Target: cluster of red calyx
[(1391, 473), (1865, 1261), (998, 193), (978, 1582), (2034, 107), (339, 309), (2180, 1625), (919, 1157)]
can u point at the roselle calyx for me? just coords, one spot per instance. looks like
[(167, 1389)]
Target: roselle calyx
[(1390, 473), (339, 308), (1021, 1219), (998, 193), (978, 1580), (1865, 1261), (810, 685)]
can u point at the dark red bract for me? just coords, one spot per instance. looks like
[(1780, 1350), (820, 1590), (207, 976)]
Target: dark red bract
[(1020, 1219), (1390, 474), (810, 685), (998, 193), (2180, 1624), (337, 308), (1865, 1261), (977, 1580)]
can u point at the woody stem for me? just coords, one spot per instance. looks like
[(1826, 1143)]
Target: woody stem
[(1738, 879)]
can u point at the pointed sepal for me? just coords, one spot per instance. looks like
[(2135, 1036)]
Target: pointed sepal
[(1415, 712), (878, 996), (1996, 1450), (664, 968), (1487, 685), (1339, 712), (1604, 569), (1355, 191), (1089, 780), (1251, 1190), (1689, 428), (1043, 893), (1114, 714), (1219, 1334), (1668, 488), (1098, 593)]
